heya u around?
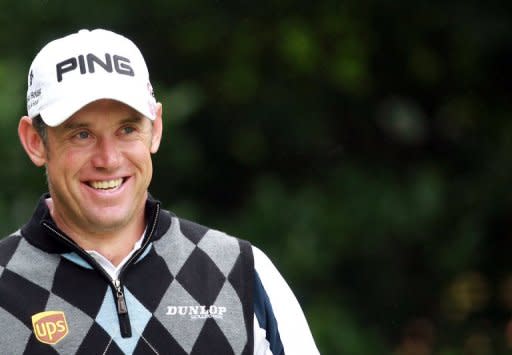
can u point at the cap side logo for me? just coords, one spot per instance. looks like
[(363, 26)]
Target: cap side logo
[(50, 327)]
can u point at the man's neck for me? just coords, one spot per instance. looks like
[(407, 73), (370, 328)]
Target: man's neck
[(114, 269), (114, 245)]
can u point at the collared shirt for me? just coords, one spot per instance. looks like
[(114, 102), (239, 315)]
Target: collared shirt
[(110, 268)]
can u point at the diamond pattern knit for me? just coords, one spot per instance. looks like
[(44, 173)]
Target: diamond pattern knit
[(189, 293)]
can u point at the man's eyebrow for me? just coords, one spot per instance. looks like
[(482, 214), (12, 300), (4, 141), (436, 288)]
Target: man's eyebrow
[(73, 125), (133, 119)]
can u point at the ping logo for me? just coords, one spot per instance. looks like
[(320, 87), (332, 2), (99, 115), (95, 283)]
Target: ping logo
[(89, 62), (50, 327)]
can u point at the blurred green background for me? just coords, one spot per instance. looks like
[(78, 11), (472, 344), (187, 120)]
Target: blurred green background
[(364, 145)]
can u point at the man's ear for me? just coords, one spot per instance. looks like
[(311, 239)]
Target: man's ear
[(157, 129), (32, 141)]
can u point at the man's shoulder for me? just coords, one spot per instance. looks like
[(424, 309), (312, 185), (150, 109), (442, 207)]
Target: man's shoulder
[(192, 230), (191, 249), (9, 243), (200, 233), (8, 247)]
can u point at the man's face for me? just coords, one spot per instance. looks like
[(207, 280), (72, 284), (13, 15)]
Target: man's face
[(99, 167)]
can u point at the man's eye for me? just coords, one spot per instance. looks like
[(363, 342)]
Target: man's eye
[(82, 135), (128, 130)]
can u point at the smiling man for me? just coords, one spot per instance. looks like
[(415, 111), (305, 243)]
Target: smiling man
[(98, 164), (101, 268)]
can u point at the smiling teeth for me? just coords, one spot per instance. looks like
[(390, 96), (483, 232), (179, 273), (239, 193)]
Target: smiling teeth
[(105, 185)]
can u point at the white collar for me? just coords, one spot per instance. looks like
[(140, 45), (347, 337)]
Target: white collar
[(110, 268)]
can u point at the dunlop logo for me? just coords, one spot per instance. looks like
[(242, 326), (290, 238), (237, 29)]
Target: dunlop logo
[(50, 327)]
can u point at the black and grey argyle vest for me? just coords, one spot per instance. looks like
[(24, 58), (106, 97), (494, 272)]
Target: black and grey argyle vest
[(189, 291)]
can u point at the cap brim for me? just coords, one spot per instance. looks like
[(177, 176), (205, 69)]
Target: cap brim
[(54, 115)]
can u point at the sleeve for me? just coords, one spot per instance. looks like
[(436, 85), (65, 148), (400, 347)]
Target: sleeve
[(280, 326)]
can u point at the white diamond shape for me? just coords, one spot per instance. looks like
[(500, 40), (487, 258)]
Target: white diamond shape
[(174, 247), (231, 320), (221, 248), (187, 329), (79, 324), (40, 271)]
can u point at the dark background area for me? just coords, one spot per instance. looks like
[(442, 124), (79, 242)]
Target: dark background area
[(363, 145)]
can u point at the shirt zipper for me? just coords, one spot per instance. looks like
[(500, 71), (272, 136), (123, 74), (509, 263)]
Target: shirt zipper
[(117, 285), (122, 310)]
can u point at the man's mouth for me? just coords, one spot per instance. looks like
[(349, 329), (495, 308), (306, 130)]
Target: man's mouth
[(106, 184)]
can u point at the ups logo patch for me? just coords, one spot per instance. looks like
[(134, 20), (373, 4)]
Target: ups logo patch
[(50, 327)]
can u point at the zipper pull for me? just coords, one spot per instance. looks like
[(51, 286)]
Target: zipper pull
[(122, 311), (121, 302)]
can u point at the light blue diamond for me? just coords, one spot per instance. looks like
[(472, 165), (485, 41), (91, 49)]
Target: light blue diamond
[(108, 320), (77, 259)]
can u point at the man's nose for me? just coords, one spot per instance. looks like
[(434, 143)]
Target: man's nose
[(107, 154)]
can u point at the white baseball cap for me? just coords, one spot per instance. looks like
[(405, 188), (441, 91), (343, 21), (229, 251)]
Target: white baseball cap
[(73, 71)]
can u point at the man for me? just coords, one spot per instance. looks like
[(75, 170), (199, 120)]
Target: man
[(100, 268)]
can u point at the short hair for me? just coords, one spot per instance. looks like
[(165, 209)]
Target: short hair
[(41, 128)]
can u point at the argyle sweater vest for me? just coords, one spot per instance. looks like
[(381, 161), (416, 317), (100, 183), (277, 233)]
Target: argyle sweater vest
[(188, 290)]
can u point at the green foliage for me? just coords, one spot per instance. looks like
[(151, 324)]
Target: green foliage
[(365, 146)]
